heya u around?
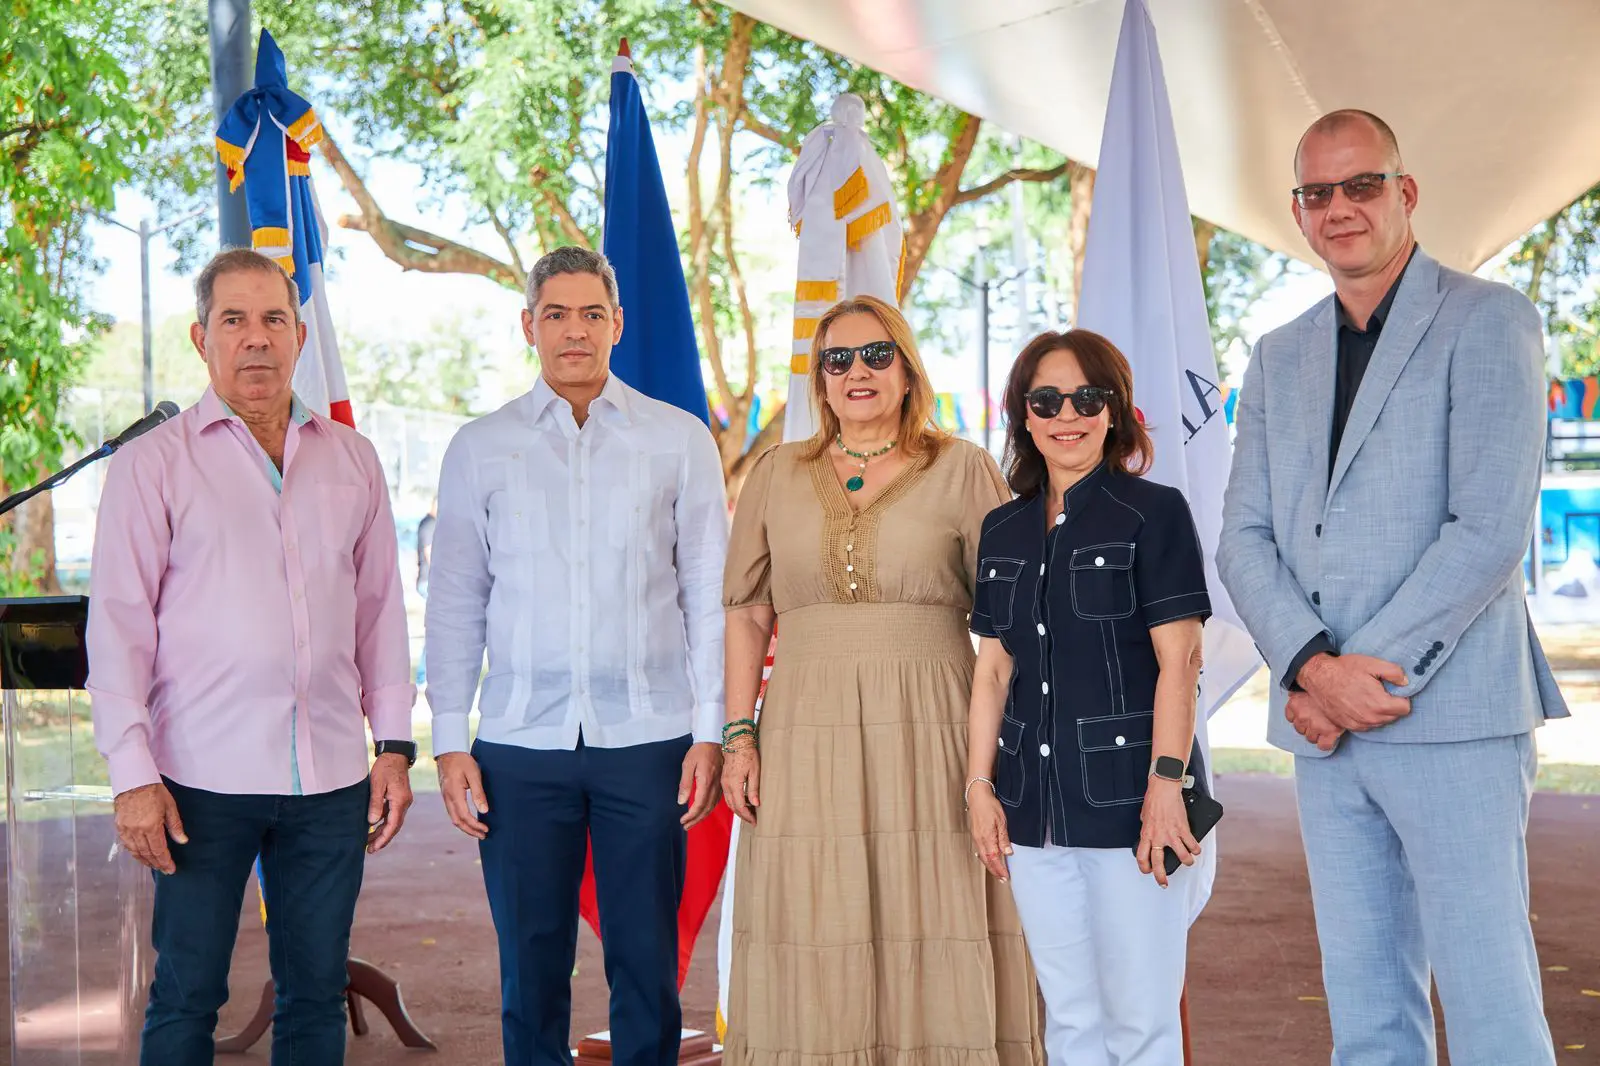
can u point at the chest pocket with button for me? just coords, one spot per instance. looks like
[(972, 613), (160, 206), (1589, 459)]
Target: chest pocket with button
[(518, 522), (997, 585), (1102, 582), (1114, 752)]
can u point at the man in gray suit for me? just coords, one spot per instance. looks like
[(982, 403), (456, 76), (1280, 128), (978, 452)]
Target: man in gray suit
[(1382, 496)]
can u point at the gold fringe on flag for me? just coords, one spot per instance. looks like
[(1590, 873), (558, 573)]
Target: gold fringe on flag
[(867, 225), (814, 291), (851, 195)]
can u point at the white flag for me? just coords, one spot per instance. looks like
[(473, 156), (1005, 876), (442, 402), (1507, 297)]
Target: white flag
[(1142, 290), (843, 211)]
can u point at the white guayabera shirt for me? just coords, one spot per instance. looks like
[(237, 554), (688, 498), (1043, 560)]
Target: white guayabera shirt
[(589, 563)]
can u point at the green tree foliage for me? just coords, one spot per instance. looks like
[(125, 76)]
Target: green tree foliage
[(1556, 265), (68, 128)]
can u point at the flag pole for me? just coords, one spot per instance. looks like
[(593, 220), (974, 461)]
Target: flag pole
[(230, 78)]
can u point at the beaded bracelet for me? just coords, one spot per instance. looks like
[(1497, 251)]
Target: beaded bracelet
[(727, 741), (730, 726)]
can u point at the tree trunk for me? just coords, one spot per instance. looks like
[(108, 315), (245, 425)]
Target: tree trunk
[(1082, 188), (924, 225), (35, 529), (1539, 258), (1203, 232)]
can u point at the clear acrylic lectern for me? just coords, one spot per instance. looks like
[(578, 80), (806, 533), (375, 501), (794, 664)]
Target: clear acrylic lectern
[(77, 914)]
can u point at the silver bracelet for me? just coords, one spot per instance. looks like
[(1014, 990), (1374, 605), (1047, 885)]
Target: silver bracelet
[(968, 789)]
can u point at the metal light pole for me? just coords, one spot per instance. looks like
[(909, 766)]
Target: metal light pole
[(144, 233), (982, 284), (230, 77)]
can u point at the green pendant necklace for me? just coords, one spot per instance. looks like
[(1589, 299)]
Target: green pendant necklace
[(855, 483)]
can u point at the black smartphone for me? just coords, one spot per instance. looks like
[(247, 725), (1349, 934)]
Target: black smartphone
[(1204, 814)]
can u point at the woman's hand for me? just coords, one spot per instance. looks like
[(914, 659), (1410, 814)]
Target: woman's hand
[(741, 779), (986, 820), (1166, 825)]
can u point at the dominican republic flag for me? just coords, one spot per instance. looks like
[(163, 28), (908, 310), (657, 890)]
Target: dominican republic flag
[(265, 141), (1142, 290), (660, 357)]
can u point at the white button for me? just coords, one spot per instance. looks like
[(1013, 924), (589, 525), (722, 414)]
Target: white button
[(1121, 741), (1044, 749), (516, 514), (1041, 629), (849, 547), (1045, 687), (1060, 518), (300, 643), (1099, 560), (298, 595), (850, 569), (991, 573), (852, 584)]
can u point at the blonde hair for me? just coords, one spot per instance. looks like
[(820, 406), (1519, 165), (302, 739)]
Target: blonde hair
[(919, 434)]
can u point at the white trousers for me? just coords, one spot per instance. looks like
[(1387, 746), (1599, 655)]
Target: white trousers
[(1109, 945)]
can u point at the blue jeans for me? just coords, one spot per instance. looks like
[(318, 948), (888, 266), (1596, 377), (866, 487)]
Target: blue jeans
[(544, 806), (312, 850)]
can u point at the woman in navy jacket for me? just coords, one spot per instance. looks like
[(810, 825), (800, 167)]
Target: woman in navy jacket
[(1090, 599)]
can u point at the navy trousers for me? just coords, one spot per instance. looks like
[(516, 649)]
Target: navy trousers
[(543, 806), (312, 851)]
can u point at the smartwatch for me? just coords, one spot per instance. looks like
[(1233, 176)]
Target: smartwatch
[(408, 748), (1169, 769)]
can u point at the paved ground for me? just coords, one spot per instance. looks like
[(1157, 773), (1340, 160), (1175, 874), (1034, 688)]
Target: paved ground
[(1255, 987)]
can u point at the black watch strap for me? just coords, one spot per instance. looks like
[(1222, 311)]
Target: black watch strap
[(408, 748)]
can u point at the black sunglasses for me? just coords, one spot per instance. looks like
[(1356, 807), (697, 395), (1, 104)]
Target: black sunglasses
[(876, 354), (1087, 400)]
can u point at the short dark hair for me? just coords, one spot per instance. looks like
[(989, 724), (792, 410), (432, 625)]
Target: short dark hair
[(234, 261), (1128, 447), (570, 259), (1334, 121)]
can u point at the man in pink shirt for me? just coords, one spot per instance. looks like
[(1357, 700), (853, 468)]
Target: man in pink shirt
[(245, 625)]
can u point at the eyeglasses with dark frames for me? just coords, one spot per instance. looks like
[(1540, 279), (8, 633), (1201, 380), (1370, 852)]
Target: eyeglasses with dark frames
[(1358, 190)]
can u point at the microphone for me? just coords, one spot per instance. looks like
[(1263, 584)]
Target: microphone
[(163, 411)]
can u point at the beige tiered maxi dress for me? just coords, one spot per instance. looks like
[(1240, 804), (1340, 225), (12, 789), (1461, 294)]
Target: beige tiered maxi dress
[(865, 933)]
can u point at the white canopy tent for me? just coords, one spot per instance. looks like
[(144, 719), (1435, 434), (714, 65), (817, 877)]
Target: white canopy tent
[(1496, 102)]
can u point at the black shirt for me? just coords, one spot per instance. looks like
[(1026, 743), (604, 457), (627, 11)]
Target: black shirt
[(1074, 607), (1355, 348)]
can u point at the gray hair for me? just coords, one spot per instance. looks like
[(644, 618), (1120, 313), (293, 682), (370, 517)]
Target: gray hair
[(234, 261), (570, 259)]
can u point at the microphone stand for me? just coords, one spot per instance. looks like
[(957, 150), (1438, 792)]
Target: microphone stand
[(17, 499)]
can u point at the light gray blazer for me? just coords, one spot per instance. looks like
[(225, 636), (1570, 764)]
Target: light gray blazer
[(1413, 551)]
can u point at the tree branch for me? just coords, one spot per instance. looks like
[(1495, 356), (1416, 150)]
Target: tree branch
[(977, 192), (410, 247), (921, 227), (570, 229), (766, 132), (511, 246)]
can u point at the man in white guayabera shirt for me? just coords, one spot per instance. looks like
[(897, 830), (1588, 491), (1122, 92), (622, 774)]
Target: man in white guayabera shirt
[(580, 538)]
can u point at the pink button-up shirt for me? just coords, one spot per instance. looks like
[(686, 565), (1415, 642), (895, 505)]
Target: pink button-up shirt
[(237, 634)]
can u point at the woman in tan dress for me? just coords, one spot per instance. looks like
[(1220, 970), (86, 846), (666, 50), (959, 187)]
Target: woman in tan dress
[(864, 932)]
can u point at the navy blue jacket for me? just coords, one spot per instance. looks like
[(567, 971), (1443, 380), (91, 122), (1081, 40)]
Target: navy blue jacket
[(1074, 607)]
